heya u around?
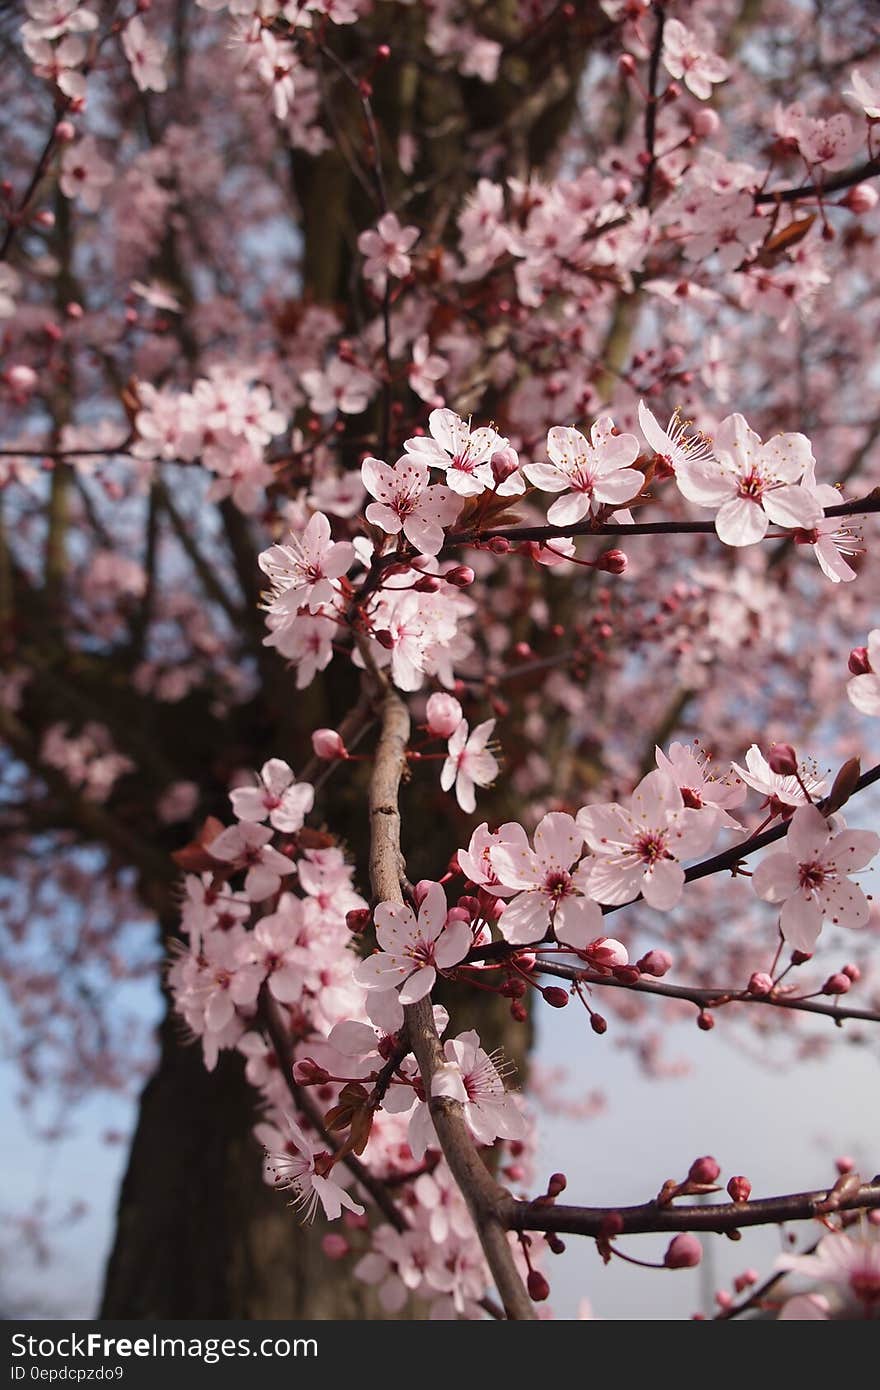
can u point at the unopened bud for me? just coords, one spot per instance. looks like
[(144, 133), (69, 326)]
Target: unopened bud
[(334, 1246), (384, 638), (461, 577), (557, 1184), (704, 1170), (782, 759), (504, 463), (684, 1252), (705, 122), (860, 198), (557, 998), (517, 1012), (844, 1164), (499, 545), (626, 65), (537, 1286), (612, 562), (853, 972), (65, 132), (357, 919), (328, 744), (457, 914), (555, 1243), (760, 984), (801, 957), (428, 584), (598, 1024), (444, 714), (837, 984), (739, 1189), (858, 663), (307, 1071), (705, 1021), (383, 53), (655, 963)]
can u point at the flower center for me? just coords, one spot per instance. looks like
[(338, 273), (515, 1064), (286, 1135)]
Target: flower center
[(650, 846), (812, 876), (558, 884), (751, 486)]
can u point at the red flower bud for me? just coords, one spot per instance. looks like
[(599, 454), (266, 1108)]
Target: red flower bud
[(760, 984), (859, 663), (357, 919), (612, 562), (537, 1286), (598, 1024), (461, 577), (557, 1184), (705, 1021), (739, 1189), (655, 963), (837, 984), (704, 1170), (557, 998)]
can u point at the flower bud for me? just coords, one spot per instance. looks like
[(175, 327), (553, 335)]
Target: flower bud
[(444, 715), (844, 1164), (858, 663), (837, 984), (782, 759), (504, 463), (745, 1280), (327, 744), (557, 998), (555, 1243), (598, 1024), (684, 1252), (852, 972), (384, 638), (457, 914), (20, 377), (760, 984), (655, 963), (608, 954), (499, 545), (705, 122), (705, 1021), (461, 577), (860, 198), (557, 1184), (801, 957), (626, 65), (612, 562), (357, 919), (704, 1170), (537, 1286), (334, 1245), (307, 1071), (428, 584), (739, 1189), (517, 1012)]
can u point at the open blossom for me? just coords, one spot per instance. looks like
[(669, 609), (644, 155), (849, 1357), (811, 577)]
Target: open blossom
[(476, 860), (830, 538), (247, 846), (146, 55), (405, 502), (595, 470), (413, 949), (864, 691), (779, 789), (278, 796), (59, 62), (676, 444), (846, 1267), (302, 1168), (690, 769), (470, 1075), (469, 763), (463, 453), (386, 249), (866, 91), (688, 57), (809, 877), (304, 570), (340, 386), (638, 847), (547, 889), (751, 483), (85, 173)]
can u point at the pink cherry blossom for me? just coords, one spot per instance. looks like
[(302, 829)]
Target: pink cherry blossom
[(278, 796), (469, 763), (470, 1075), (847, 1266), (302, 1168), (751, 483), (463, 453), (85, 173), (443, 714), (595, 470), (809, 877), (866, 91), (691, 771), (676, 444), (476, 860), (638, 847), (406, 502), (864, 691), (303, 571), (146, 55), (547, 890), (247, 846), (413, 950), (688, 57), (386, 248)]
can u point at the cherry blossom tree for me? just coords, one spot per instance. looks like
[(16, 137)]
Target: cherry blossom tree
[(337, 337)]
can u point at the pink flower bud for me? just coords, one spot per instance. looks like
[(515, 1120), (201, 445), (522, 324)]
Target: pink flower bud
[(607, 954), (504, 463), (65, 131), (684, 1252), (45, 218), (20, 377), (626, 974), (444, 715), (327, 744), (334, 1245), (655, 963), (858, 663), (782, 759), (537, 1286), (73, 310), (499, 545), (705, 123), (860, 198), (626, 65), (308, 1071), (457, 914), (421, 890), (739, 1189), (428, 584), (760, 984), (357, 919), (471, 906), (844, 1164), (461, 577), (704, 1170), (724, 1299), (853, 972), (837, 984), (612, 562), (745, 1280)]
